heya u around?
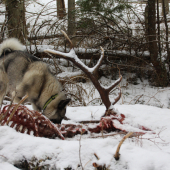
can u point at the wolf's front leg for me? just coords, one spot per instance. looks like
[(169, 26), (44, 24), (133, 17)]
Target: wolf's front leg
[(35, 107), (3, 87), (3, 83)]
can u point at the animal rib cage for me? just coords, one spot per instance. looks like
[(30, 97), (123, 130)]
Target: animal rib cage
[(27, 121)]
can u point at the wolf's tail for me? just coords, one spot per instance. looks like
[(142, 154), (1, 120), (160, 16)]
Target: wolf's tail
[(10, 45)]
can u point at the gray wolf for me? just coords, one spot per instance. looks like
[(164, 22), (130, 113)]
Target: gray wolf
[(23, 74)]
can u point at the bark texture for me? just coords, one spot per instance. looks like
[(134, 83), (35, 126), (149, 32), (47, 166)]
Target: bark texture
[(16, 19), (161, 72), (71, 17), (61, 12)]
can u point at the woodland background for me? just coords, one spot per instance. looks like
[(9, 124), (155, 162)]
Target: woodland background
[(135, 41)]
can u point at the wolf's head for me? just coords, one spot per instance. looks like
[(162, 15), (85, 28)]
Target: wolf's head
[(60, 111), (56, 112)]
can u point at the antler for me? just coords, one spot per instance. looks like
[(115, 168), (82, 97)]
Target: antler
[(90, 72)]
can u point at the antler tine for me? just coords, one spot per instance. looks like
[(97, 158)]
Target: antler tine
[(114, 84), (118, 97), (96, 67), (66, 36)]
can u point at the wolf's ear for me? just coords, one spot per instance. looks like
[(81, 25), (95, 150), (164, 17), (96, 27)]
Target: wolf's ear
[(63, 104)]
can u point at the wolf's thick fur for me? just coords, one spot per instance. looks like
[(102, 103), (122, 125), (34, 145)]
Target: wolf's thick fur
[(21, 74)]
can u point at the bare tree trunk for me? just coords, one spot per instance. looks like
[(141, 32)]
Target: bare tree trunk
[(61, 11), (71, 17), (158, 24), (153, 47), (166, 27), (165, 7), (16, 19), (146, 19)]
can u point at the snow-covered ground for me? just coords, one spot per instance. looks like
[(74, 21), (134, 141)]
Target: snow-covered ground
[(141, 104), (148, 152)]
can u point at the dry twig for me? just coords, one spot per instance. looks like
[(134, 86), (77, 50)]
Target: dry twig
[(117, 155), (80, 150), (12, 114)]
